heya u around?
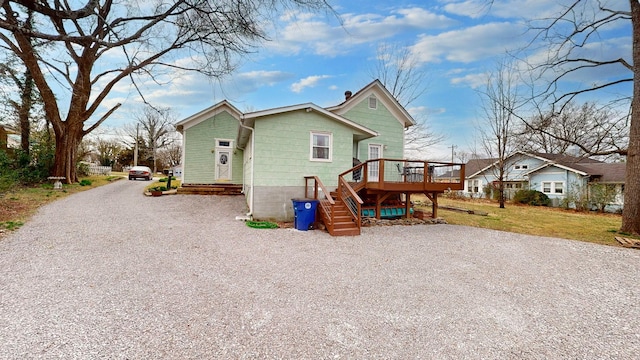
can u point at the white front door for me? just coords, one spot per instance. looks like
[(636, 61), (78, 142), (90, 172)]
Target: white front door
[(223, 161), (375, 152)]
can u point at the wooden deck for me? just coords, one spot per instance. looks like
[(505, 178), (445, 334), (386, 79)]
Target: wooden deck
[(382, 180)]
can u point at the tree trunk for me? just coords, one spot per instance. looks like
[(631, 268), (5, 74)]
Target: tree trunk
[(26, 103), (631, 211), (67, 142)]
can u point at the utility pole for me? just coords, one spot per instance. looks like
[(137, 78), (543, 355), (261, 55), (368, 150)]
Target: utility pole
[(135, 149), (453, 147)]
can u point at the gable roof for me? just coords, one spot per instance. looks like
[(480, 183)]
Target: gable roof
[(376, 88), (205, 114), (475, 166), (249, 119)]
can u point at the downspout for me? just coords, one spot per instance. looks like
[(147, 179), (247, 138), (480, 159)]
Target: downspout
[(241, 121)]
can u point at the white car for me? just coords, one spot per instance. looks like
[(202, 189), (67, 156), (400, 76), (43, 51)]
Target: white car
[(140, 172)]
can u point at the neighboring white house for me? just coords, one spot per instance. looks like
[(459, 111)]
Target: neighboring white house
[(563, 178), (9, 138)]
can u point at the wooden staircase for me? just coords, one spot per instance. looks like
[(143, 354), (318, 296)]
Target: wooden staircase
[(338, 220)]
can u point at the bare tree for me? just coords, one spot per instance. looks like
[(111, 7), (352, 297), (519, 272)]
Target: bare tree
[(152, 131), (566, 40), (86, 37), (107, 151), (399, 72), (156, 126), (22, 99), (500, 103), (171, 155), (595, 127)]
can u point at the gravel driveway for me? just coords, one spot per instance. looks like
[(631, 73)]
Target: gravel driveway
[(111, 274)]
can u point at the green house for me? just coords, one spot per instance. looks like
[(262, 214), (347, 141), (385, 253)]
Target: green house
[(268, 153)]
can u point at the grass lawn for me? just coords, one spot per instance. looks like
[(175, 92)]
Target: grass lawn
[(174, 183), (544, 221)]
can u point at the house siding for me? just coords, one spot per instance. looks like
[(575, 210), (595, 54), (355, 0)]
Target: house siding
[(199, 157), (286, 163), (282, 166), (490, 175), (384, 123)]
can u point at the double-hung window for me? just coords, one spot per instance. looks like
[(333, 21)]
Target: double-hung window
[(553, 187), (473, 186), (321, 146), (558, 188)]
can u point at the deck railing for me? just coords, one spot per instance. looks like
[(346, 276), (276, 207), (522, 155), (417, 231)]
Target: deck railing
[(425, 175)]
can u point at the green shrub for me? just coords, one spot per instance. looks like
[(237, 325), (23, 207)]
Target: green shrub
[(85, 182), (164, 179), (158, 188), (20, 168), (531, 197), (83, 169)]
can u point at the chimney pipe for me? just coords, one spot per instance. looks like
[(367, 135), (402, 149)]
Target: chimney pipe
[(347, 95)]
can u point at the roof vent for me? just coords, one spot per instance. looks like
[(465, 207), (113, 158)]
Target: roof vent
[(347, 95)]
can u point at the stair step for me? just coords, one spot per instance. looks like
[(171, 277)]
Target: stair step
[(346, 232), (344, 225), (209, 191), (346, 217)]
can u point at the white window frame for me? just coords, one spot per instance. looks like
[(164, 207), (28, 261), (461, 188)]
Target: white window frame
[(330, 147), (521, 167), (555, 187), (473, 184), (220, 141), (375, 102), (552, 187)]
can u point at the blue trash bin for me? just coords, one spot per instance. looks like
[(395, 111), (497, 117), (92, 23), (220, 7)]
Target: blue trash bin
[(304, 212)]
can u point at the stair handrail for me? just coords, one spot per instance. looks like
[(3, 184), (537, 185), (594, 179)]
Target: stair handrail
[(360, 180), (352, 200), (325, 205), (317, 183)]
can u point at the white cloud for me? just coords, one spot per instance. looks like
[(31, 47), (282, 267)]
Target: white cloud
[(252, 81), (506, 9), (472, 80), (309, 81), (470, 44), (303, 31)]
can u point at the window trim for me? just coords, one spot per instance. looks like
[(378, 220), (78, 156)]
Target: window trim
[(330, 147), (553, 187), (473, 184), (375, 103), (219, 142)]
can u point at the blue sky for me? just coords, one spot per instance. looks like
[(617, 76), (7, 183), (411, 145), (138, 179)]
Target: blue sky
[(313, 58)]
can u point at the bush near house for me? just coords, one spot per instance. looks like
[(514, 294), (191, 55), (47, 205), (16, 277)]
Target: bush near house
[(531, 197)]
